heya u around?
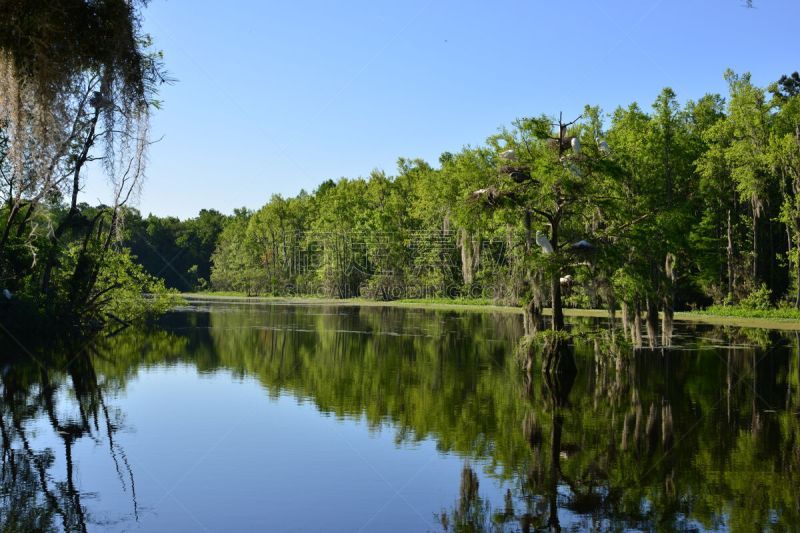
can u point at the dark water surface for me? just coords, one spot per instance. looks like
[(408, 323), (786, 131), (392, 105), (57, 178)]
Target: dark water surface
[(316, 418)]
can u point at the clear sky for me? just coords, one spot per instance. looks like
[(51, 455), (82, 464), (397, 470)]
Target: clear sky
[(273, 97)]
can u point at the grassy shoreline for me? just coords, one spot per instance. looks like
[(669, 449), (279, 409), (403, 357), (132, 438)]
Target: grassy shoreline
[(714, 318)]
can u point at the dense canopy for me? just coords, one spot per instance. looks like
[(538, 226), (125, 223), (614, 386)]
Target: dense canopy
[(682, 206)]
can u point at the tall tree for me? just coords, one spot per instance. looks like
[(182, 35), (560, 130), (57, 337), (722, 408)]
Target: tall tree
[(547, 177), (77, 81)]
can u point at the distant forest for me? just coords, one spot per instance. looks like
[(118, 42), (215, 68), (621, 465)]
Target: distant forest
[(694, 204)]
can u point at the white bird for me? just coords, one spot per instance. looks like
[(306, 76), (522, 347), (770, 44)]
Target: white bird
[(544, 242), (7, 294), (603, 146), (566, 280), (489, 195), (508, 155), (576, 145)]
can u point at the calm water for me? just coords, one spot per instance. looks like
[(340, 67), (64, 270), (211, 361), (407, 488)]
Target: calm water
[(303, 418)]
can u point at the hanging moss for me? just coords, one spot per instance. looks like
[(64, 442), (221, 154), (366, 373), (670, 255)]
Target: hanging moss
[(50, 41)]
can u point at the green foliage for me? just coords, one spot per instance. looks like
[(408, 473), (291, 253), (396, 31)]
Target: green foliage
[(452, 301), (758, 300), (177, 251), (49, 42), (77, 82), (132, 293), (95, 283), (234, 269), (789, 313), (691, 205)]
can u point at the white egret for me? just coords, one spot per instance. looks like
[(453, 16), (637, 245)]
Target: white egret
[(489, 195), (603, 146), (544, 242), (576, 145), (508, 155), (7, 294)]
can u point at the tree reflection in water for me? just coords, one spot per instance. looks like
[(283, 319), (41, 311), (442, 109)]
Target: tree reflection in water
[(614, 456), (33, 496), (705, 434)]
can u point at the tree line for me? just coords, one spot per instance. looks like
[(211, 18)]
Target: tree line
[(678, 206), (177, 251)]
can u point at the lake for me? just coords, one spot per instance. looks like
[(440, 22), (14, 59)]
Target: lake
[(274, 417)]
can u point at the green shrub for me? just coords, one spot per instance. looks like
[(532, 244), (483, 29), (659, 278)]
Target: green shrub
[(760, 299)]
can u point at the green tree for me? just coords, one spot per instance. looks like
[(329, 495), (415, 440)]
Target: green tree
[(77, 83), (234, 265), (657, 154), (550, 180), (278, 233), (784, 153), (338, 230)]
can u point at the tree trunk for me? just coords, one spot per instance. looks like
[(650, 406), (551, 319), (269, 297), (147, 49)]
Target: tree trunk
[(669, 301), (555, 281), (797, 264), (9, 221), (626, 323), (555, 294), (533, 310), (652, 322), (533, 316), (667, 323), (467, 258), (797, 296), (69, 219), (730, 257), (636, 333), (755, 248), (528, 231), (771, 254), (611, 304)]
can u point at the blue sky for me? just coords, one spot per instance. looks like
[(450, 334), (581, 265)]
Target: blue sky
[(273, 97)]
